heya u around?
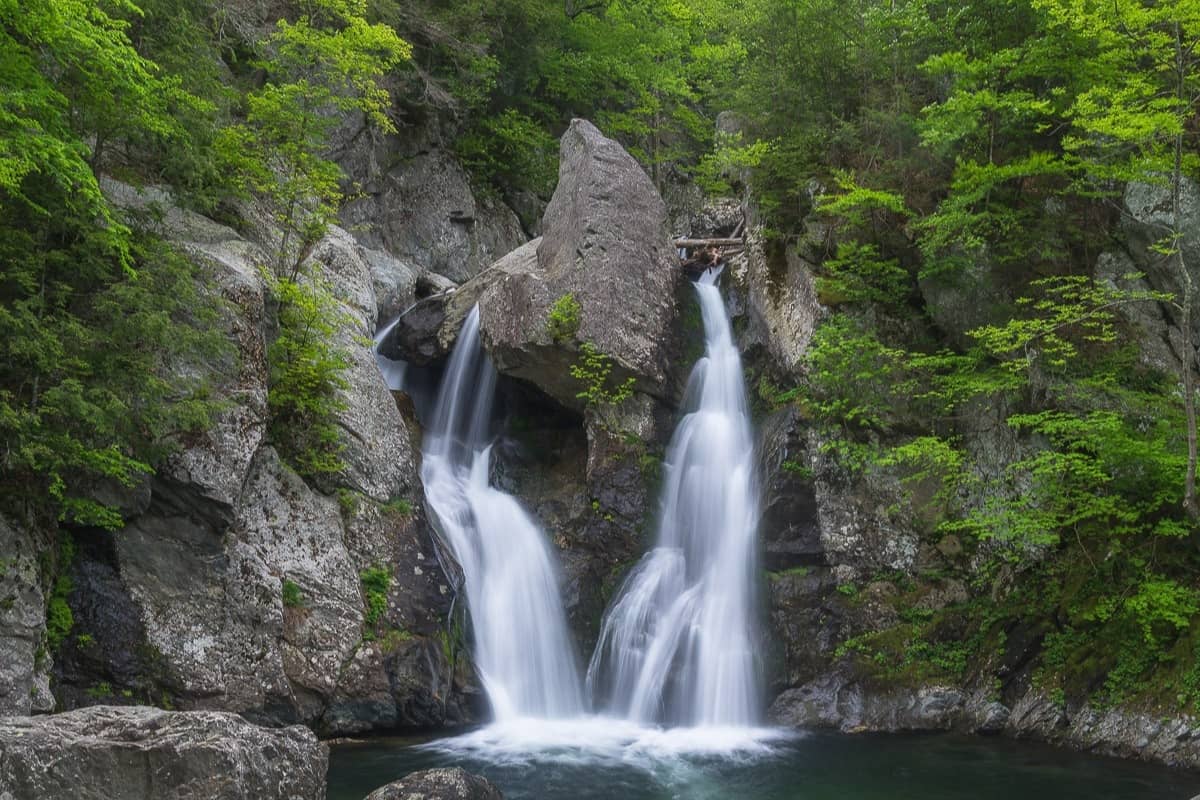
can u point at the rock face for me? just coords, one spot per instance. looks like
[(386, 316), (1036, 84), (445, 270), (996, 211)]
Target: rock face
[(782, 304), (453, 783), (422, 211), (830, 703), (1148, 220), (605, 243), (790, 523), (24, 668), (240, 587), (136, 753)]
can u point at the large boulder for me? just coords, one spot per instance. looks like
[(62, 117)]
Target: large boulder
[(606, 246), (24, 679), (140, 753), (426, 333), (446, 783)]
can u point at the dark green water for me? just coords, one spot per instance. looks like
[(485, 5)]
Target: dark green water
[(811, 767)]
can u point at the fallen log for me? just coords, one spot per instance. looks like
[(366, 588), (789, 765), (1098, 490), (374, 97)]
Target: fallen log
[(689, 243)]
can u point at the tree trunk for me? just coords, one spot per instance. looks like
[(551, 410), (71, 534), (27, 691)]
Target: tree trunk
[(1187, 350)]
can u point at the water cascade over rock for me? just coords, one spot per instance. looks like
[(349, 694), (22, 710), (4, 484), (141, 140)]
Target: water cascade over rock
[(676, 646), (522, 648)]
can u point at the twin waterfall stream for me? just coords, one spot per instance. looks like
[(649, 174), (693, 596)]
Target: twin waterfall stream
[(675, 657)]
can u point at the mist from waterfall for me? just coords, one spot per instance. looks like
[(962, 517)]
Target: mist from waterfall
[(677, 645), (522, 650)]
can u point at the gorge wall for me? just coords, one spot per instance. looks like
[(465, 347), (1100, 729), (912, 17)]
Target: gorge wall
[(238, 586)]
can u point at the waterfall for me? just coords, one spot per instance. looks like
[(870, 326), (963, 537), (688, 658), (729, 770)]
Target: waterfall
[(523, 653), (392, 371), (677, 645)]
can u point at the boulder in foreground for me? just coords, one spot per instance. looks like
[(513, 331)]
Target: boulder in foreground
[(453, 783), (142, 753)]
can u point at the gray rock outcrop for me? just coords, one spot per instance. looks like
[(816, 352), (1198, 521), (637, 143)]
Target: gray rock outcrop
[(422, 211), (605, 243), (139, 753), (447, 783), (238, 586), (782, 303), (1147, 222), (24, 665)]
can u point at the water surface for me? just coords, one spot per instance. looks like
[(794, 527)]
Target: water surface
[(816, 766)]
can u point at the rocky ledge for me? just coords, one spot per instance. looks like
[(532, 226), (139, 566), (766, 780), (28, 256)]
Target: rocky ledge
[(138, 753), (832, 701), (452, 783)]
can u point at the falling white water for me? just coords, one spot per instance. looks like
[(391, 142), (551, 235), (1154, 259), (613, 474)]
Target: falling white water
[(392, 371), (522, 650), (677, 645)]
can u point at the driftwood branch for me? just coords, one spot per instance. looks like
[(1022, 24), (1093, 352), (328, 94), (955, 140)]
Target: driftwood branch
[(709, 243)]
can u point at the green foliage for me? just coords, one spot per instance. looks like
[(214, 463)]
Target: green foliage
[(393, 640), (563, 322), (327, 63), (293, 597), (307, 376), (594, 370), (100, 691), (348, 500), (513, 151), (801, 471), (856, 380), (59, 619), (376, 582), (858, 274), (83, 400), (400, 506), (730, 158)]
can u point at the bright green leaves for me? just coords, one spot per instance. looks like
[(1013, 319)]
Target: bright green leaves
[(511, 150), (594, 371), (562, 323), (856, 380), (84, 403), (858, 274), (306, 375), (337, 64), (1066, 313), (327, 62)]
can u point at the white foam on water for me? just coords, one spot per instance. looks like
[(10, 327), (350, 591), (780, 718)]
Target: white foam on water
[(599, 740)]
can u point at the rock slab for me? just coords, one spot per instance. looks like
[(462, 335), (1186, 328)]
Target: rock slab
[(142, 753), (453, 783)]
